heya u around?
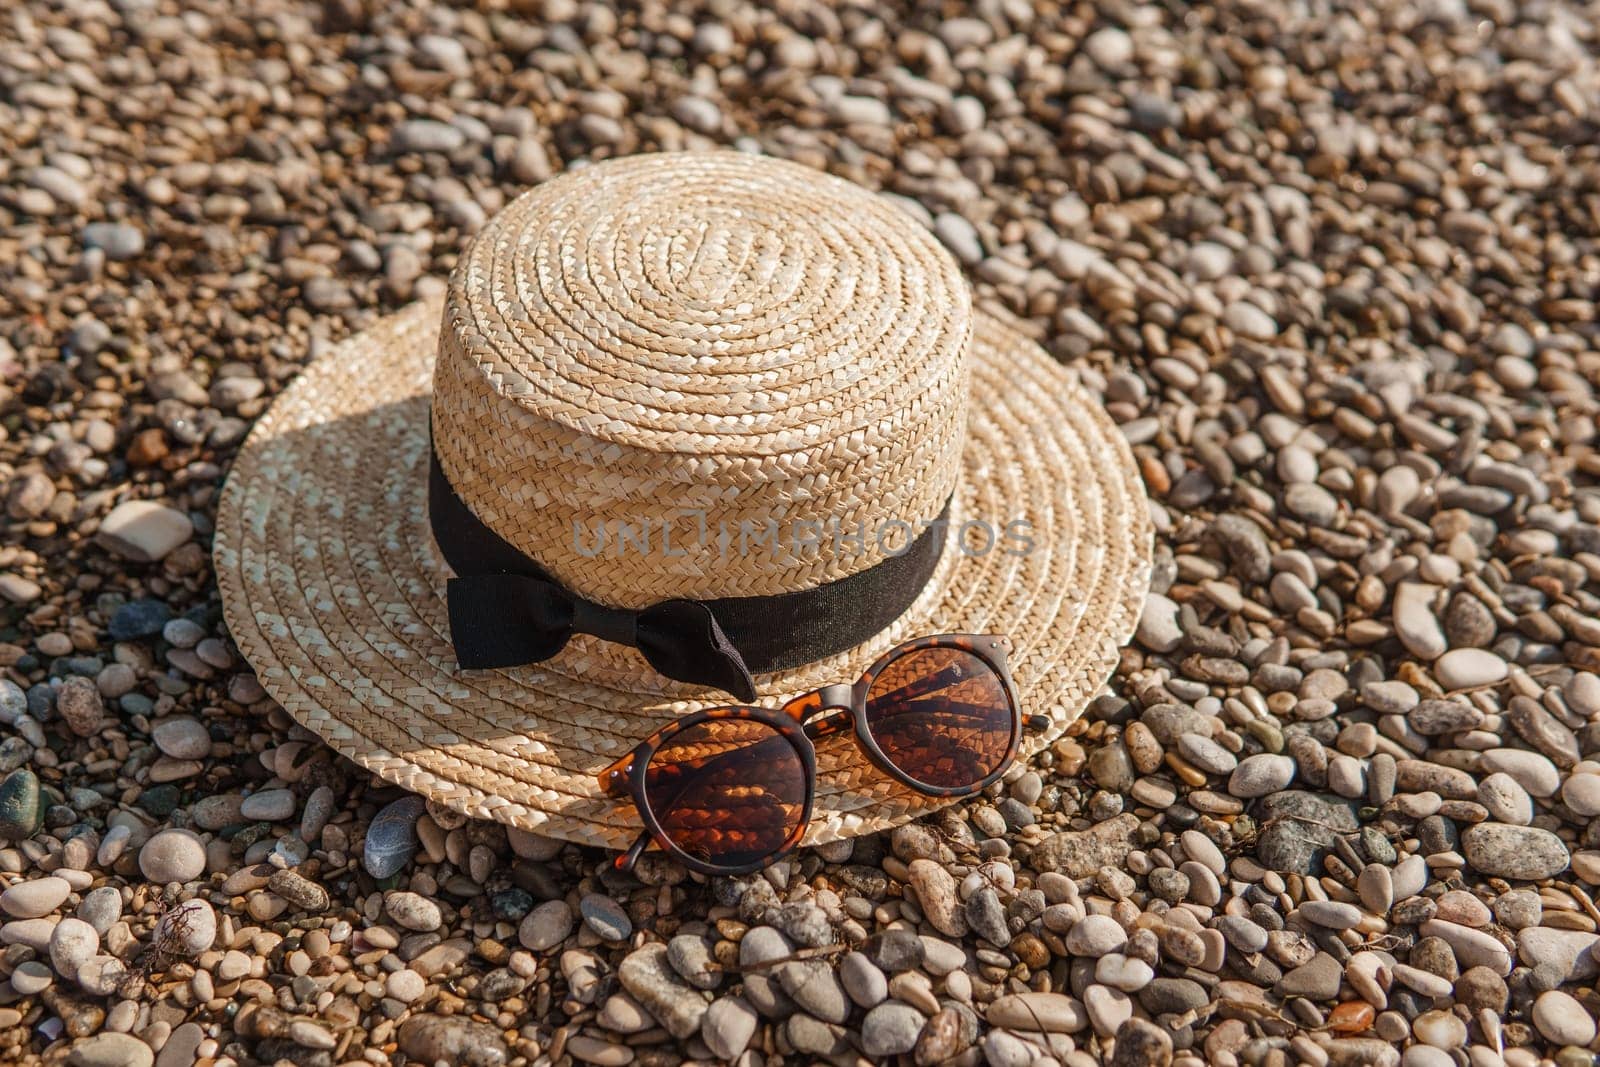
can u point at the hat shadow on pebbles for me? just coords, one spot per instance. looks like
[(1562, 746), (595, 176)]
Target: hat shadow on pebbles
[(334, 589)]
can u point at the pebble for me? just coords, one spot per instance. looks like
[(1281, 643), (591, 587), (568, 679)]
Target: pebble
[(425, 135), (1053, 1013), (319, 808), (1298, 827), (1123, 972), (863, 980), (183, 633), (1505, 800), (1416, 623), (1141, 1043), (181, 738), (413, 911), (298, 891), (728, 1026), (1207, 755), (1375, 886), (1468, 668), (173, 855), (72, 943), (1518, 909), (144, 531), (1080, 853), (1001, 1048), (21, 811), (690, 956), (188, 929), (1244, 934), (1158, 624), (1094, 936), (1390, 697), (815, 988), (118, 240), (13, 702), (35, 899), (605, 917), (986, 916), (269, 805), (959, 236), (1424, 982), (1441, 1029), (80, 706), (391, 838), (182, 1048), (1249, 321), (1110, 47), (1562, 1020), (1260, 775), (101, 976), (890, 1029), (646, 974), (1459, 906), (936, 892), (452, 1039), (406, 986), (111, 1050), (1523, 853), (546, 926), (139, 619), (1332, 914), (1581, 793), (1570, 953), (31, 977), (1316, 979), (1473, 948), (1106, 1008)]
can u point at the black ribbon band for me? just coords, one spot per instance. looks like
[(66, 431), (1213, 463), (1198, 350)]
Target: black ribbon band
[(506, 610)]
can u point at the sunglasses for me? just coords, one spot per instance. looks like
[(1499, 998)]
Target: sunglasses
[(729, 790)]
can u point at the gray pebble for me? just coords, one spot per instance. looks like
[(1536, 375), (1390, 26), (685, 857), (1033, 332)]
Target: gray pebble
[(1260, 775), (118, 240), (690, 956), (391, 838), (101, 908), (862, 980), (605, 917), (1523, 853), (890, 1029)]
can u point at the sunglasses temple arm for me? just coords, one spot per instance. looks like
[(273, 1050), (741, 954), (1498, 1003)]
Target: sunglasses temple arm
[(626, 860)]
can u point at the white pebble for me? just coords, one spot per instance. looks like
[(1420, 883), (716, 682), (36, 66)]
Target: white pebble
[(1464, 668), (35, 899), (1562, 1020)]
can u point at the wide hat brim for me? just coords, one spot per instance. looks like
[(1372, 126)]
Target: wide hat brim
[(333, 589)]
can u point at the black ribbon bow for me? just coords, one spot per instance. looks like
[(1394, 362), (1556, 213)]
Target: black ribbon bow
[(507, 611), (508, 620)]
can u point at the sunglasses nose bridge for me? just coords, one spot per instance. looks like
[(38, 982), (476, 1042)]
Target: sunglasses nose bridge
[(840, 696), (819, 718)]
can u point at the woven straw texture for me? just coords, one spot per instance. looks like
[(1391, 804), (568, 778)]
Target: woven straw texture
[(333, 589), (747, 340)]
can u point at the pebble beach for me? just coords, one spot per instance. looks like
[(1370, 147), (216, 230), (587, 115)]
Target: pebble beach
[(1331, 268)]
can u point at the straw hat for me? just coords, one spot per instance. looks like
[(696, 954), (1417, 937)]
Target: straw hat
[(702, 344)]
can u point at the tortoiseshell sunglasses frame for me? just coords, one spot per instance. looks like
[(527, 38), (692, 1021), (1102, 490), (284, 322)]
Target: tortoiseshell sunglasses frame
[(819, 713)]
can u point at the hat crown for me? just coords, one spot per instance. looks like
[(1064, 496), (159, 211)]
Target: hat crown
[(702, 375)]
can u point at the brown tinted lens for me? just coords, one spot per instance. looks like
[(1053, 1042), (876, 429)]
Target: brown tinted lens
[(727, 791), (942, 716)]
